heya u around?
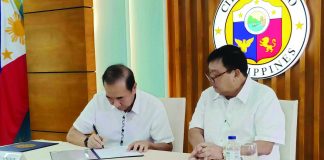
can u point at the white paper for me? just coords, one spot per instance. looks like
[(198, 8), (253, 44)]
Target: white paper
[(116, 152), (4, 155)]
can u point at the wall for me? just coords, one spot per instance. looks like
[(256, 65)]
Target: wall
[(60, 63), (110, 35), (134, 34), (190, 41)]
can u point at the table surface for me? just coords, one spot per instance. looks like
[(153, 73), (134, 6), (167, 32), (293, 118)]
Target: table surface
[(44, 153)]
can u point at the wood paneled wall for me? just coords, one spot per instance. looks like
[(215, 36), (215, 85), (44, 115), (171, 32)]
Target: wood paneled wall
[(190, 40), (48, 5), (60, 62)]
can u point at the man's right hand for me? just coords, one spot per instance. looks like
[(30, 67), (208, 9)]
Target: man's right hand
[(95, 141), (207, 151), (197, 149)]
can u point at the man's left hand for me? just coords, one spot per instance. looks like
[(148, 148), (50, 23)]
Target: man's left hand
[(141, 146)]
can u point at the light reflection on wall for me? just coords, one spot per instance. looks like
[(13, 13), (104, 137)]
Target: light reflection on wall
[(133, 33)]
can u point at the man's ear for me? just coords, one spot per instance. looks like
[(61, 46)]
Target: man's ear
[(237, 72), (134, 88)]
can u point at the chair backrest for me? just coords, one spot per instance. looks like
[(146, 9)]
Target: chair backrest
[(176, 110), (290, 109)]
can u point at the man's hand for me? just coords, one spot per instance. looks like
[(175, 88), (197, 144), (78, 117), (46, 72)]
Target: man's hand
[(207, 151), (196, 150), (141, 146), (95, 141)]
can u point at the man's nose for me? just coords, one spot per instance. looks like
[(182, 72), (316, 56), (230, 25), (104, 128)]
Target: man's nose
[(116, 103)]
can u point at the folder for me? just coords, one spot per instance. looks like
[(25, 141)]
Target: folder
[(94, 154), (26, 146), (113, 152)]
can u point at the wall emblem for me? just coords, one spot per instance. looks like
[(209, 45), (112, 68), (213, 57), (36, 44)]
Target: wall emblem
[(272, 34)]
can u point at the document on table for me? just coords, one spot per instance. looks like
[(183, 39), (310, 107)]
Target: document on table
[(113, 152), (69, 155)]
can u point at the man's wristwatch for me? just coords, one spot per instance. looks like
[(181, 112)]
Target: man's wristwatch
[(86, 142)]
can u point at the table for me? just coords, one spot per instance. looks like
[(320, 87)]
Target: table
[(44, 153)]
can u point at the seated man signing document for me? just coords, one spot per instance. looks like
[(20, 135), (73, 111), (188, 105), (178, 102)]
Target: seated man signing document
[(235, 105), (122, 116)]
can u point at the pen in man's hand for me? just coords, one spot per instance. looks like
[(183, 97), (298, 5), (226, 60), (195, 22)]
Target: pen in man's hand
[(95, 129)]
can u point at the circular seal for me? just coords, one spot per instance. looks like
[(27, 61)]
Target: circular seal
[(252, 23), (25, 145), (272, 34)]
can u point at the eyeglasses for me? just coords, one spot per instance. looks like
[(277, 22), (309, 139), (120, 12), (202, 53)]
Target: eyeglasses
[(116, 101), (112, 100), (212, 79)]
